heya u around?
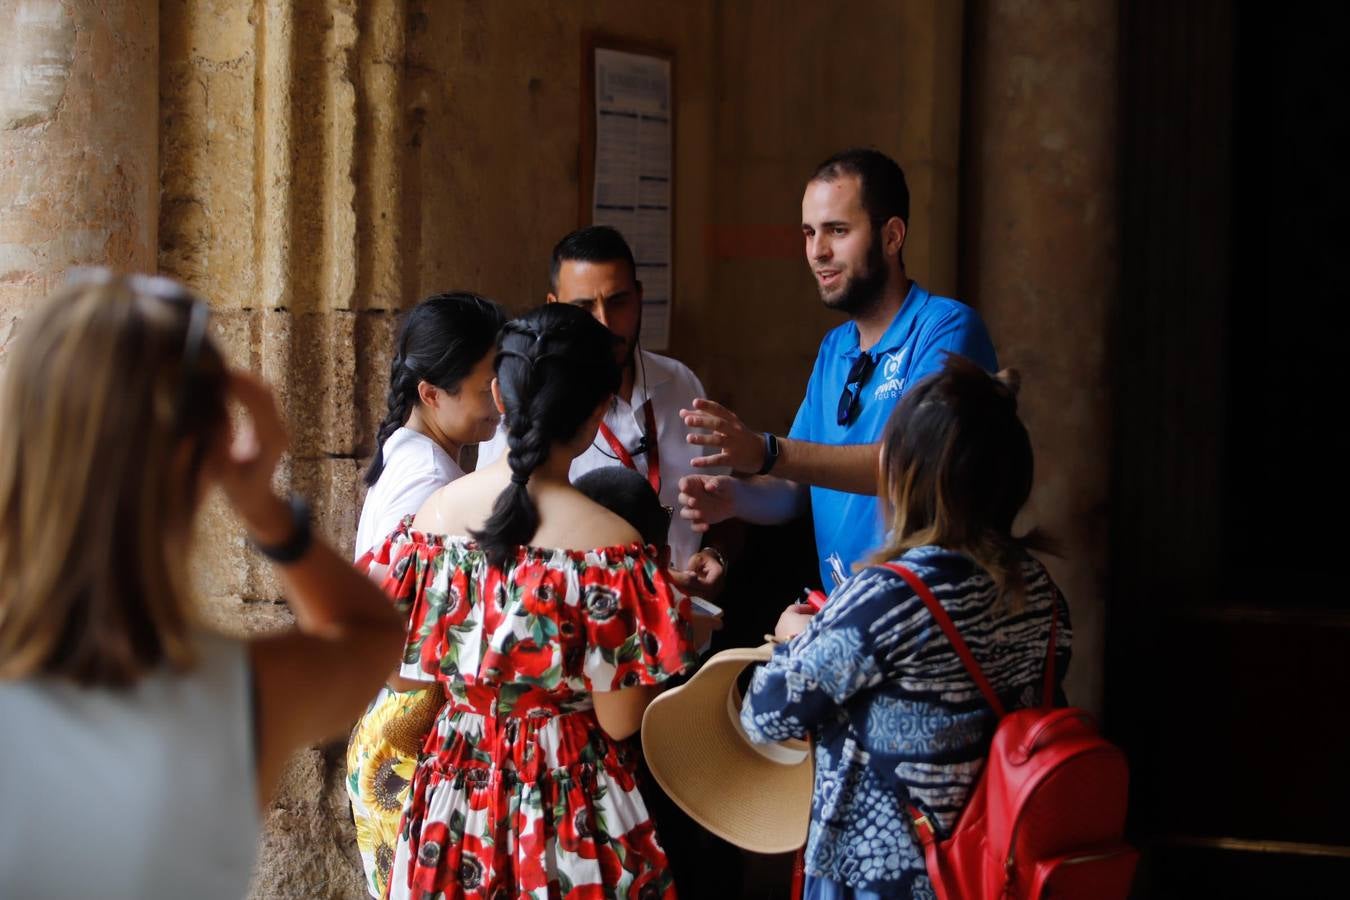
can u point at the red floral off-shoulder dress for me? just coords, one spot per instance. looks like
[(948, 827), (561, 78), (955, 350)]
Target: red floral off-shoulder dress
[(518, 792)]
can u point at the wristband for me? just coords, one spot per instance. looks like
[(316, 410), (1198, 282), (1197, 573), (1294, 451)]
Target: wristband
[(770, 453), (301, 535)]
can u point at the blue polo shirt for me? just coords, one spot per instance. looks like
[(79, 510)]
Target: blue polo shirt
[(925, 328)]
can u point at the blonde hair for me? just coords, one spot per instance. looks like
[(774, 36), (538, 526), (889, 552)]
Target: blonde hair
[(110, 399), (957, 467)]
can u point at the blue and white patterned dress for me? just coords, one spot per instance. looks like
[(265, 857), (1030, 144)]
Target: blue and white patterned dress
[(894, 716)]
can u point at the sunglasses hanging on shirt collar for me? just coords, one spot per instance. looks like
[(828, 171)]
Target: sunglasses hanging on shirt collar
[(851, 399)]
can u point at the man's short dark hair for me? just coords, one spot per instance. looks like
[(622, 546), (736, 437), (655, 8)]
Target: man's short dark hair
[(592, 244), (630, 496), (884, 191)]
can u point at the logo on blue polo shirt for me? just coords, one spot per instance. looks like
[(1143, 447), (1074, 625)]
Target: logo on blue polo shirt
[(892, 384)]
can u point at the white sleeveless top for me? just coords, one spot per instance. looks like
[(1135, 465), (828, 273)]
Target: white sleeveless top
[(143, 793)]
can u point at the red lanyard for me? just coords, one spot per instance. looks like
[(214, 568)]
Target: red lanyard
[(653, 448)]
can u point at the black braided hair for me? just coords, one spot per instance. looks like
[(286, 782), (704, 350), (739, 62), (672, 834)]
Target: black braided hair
[(555, 365), (440, 342)]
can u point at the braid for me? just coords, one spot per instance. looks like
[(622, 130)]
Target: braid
[(527, 446), (555, 365), (402, 385), (515, 518)]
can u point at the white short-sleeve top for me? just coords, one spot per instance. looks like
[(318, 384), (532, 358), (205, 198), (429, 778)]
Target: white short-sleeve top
[(415, 467)]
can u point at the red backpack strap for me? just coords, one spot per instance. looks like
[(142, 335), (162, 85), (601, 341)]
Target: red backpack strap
[(954, 636)]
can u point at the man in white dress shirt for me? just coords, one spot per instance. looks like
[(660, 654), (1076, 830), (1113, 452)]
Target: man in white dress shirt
[(593, 268)]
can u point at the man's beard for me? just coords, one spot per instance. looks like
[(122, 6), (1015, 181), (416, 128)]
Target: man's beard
[(864, 290)]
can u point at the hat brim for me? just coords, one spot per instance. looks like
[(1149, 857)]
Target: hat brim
[(758, 797)]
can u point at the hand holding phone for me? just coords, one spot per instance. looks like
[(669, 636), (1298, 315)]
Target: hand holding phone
[(704, 607)]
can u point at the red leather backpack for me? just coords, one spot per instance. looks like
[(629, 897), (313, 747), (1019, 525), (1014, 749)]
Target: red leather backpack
[(1047, 816)]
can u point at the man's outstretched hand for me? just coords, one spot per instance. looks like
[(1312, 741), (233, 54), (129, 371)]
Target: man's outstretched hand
[(706, 500), (737, 446)]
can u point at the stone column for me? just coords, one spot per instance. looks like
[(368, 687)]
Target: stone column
[(281, 129), (79, 163), (1040, 261)]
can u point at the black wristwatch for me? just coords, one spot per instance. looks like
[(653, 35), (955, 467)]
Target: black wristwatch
[(717, 555), (301, 536), (770, 453)]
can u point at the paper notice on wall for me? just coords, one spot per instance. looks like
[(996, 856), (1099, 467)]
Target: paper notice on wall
[(633, 173)]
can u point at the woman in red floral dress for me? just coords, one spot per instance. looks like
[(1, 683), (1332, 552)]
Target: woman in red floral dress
[(550, 625)]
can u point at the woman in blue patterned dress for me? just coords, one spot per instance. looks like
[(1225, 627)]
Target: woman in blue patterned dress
[(893, 714)]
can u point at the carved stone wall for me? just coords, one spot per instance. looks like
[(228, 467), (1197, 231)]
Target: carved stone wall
[(281, 141)]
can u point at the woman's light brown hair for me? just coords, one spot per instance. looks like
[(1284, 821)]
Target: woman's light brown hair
[(957, 468), (108, 409)]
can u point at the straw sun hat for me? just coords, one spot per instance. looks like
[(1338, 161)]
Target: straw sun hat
[(757, 796)]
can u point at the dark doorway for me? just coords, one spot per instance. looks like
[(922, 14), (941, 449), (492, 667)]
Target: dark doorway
[(1229, 623)]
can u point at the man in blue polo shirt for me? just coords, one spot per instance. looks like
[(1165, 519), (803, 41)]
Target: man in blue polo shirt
[(855, 216)]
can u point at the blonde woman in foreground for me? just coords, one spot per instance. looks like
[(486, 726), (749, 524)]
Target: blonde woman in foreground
[(137, 747)]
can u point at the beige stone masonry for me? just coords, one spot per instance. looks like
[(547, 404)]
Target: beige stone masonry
[(78, 163), (209, 203), (319, 348), (304, 854), (281, 169)]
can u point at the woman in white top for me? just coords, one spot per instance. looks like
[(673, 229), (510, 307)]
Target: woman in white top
[(136, 748), (440, 399)]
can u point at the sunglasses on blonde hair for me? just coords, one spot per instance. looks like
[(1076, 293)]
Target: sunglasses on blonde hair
[(170, 291)]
